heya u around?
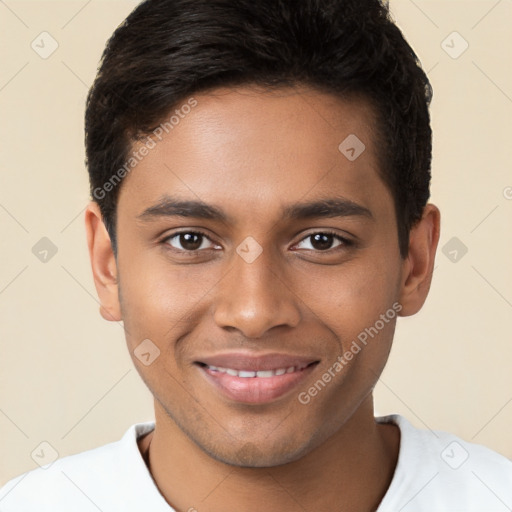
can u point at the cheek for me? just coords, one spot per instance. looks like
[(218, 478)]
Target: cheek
[(349, 297), (158, 299), (360, 308)]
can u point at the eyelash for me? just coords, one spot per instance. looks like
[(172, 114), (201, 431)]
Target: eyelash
[(343, 241)]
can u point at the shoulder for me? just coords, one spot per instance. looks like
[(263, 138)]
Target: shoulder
[(78, 482), (439, 469)]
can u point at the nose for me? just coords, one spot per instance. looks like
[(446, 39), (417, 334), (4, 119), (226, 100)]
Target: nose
[(254, 298)]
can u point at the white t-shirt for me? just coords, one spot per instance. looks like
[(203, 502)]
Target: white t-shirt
[(436, 472)]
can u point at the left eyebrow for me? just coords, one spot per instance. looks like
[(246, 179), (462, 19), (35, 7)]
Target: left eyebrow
[(326, 208)]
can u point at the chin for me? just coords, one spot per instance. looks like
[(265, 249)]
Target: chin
[(260, 455)]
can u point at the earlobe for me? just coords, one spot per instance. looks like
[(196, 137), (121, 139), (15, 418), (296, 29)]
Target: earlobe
[(418, 266), (103, 263)]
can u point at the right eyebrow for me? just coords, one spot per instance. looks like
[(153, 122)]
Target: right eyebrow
[(169, 206)]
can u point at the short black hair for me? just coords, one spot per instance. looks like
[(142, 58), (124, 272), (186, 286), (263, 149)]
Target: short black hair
[(167, 50)]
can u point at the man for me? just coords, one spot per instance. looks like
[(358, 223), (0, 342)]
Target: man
[(260, 175)]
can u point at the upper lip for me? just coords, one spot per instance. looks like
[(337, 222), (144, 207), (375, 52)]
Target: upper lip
[(255, 363)]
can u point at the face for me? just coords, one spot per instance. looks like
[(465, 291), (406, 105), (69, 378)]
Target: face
[(255, 254)]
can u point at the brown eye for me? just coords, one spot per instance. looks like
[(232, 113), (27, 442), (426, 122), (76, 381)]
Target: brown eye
[(322, 241), (188, 241)]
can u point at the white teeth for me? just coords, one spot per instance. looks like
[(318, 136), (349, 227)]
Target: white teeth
[(243, 373), (265, 373), (261, 373)]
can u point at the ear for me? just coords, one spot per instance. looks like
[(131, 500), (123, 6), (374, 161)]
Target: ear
[(418, 265), (103, 262)]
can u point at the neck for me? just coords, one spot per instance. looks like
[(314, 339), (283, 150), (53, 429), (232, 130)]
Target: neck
[(351, 471)]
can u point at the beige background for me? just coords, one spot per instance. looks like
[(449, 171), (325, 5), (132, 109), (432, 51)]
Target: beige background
[(66, 377)]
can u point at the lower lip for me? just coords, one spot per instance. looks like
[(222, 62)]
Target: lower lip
[(255, 390)]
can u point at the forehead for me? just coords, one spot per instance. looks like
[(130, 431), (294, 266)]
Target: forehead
[(247, 148)]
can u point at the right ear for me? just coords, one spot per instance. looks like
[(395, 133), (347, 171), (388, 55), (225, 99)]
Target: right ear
[(103, 263)]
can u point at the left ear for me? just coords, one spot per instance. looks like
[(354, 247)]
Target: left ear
[(418, 265)]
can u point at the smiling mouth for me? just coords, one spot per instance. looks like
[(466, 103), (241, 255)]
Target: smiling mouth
[(262, 374), (251, 384)]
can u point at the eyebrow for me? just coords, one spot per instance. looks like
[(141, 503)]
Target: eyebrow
[(326, 208), (170, 206)]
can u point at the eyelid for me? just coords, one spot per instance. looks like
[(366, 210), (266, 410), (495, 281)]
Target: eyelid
[(344, 241), (195, 231)]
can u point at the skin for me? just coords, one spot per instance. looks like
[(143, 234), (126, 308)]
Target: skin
[(251, 153)]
